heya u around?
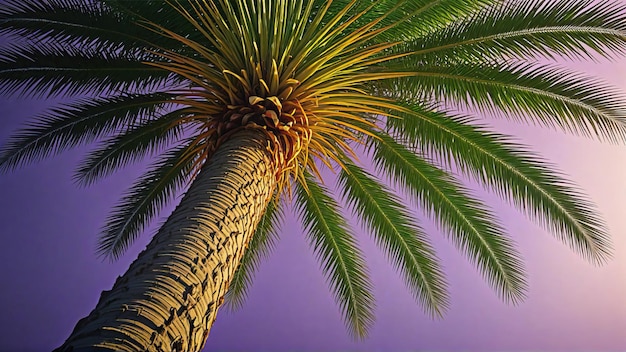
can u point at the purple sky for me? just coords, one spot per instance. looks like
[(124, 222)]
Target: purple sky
[(51, 277)]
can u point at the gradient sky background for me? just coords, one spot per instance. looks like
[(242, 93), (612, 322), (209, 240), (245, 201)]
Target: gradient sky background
[(51, 277)]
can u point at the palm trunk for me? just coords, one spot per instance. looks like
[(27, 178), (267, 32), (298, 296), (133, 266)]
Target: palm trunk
[(169, 297)]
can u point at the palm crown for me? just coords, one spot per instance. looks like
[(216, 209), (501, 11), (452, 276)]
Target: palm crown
[(319, 79)]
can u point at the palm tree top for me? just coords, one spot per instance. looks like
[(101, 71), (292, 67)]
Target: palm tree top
[(320, 78), (302, 84)]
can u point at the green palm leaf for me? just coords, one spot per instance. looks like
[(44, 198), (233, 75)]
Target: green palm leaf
[(144, 199), (471, 226), (148, 137), (398, 235), (418, 17), (78, 123), (341, 260), (542, 94), (49, 71), (523, 29), (512, 171), (90, 25)]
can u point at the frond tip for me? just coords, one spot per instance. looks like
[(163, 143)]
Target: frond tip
[(144, 200), (470, 225), (397, 234), (512, 171), (341, 261)]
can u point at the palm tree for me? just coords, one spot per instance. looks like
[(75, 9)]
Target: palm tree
[(244, 102)]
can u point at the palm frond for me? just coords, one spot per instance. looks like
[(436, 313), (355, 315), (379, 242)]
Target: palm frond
[(49, 70), (94, 25), (512, 171), (544, 95), (78, 123), (144, 199), (417, 18), (472, 227), (338, 253), (261, 245), (562, 28), (146, 137), (398, 234)]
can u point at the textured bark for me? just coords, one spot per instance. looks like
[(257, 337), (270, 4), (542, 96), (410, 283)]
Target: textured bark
[(169, 297)]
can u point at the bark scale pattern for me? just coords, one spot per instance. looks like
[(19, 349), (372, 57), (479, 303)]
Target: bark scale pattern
[(169, 297)]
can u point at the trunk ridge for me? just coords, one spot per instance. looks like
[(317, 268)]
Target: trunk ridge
[(169, 297)]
